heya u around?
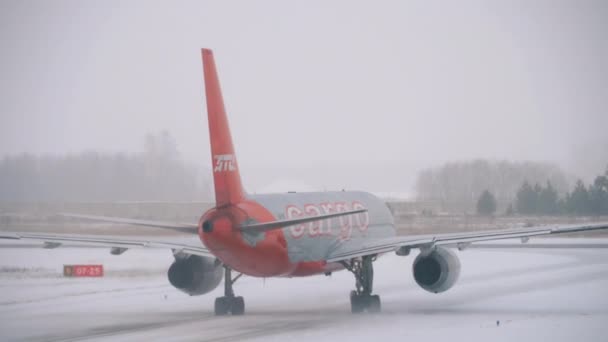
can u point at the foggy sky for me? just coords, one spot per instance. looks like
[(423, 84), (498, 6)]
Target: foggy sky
[(314, 89)]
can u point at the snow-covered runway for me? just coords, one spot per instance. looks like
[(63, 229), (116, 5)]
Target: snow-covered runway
[(534, 294)]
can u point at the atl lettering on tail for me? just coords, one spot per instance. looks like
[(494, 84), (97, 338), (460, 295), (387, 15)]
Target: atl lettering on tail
[(224, 162)]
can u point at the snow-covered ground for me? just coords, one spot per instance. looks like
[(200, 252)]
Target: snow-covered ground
[(537, 295)]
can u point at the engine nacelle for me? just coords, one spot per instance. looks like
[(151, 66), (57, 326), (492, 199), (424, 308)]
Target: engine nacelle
[(195, 275), (436, 271)]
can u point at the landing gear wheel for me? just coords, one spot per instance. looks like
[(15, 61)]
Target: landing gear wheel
[(362, 299), (374, 304), (361, 303), (222, 306), (229, 303), (238, 306), (356, 304)]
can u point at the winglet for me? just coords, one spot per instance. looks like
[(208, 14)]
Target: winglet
[(226, 176)]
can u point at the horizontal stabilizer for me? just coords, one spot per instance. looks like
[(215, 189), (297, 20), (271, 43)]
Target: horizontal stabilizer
[(266, 226), (180, 227)]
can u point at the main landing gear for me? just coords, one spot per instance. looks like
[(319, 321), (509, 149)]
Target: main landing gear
[(229, 303), (362, 299)]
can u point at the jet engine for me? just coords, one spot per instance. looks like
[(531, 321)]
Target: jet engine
[(436, 271), (195, 275)]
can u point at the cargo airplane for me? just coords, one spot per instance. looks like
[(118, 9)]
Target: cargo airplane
[(289, 235)]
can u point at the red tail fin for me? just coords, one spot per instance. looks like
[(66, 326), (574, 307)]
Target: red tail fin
[(226, 177)]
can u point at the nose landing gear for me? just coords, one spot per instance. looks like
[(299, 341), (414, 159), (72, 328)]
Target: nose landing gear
[(229, 303), (361, 299)]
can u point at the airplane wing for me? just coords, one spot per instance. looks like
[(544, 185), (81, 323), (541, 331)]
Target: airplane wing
[(118, 244), (539, 245), (403, 244)]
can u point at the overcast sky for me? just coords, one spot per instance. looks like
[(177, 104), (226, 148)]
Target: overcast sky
[(314, 89)]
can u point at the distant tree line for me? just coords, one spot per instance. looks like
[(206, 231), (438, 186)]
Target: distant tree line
[(157, 174), (537, 200), (459, 185), (582, 200)]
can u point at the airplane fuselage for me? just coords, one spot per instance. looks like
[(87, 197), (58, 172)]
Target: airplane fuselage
[(298, 250)]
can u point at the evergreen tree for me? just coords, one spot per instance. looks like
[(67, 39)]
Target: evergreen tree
[(486, 204), (598, 195), (578, 201), (548, 200), (525, 201)]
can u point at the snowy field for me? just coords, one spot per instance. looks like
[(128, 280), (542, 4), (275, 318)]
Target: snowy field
[(537, 295)]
